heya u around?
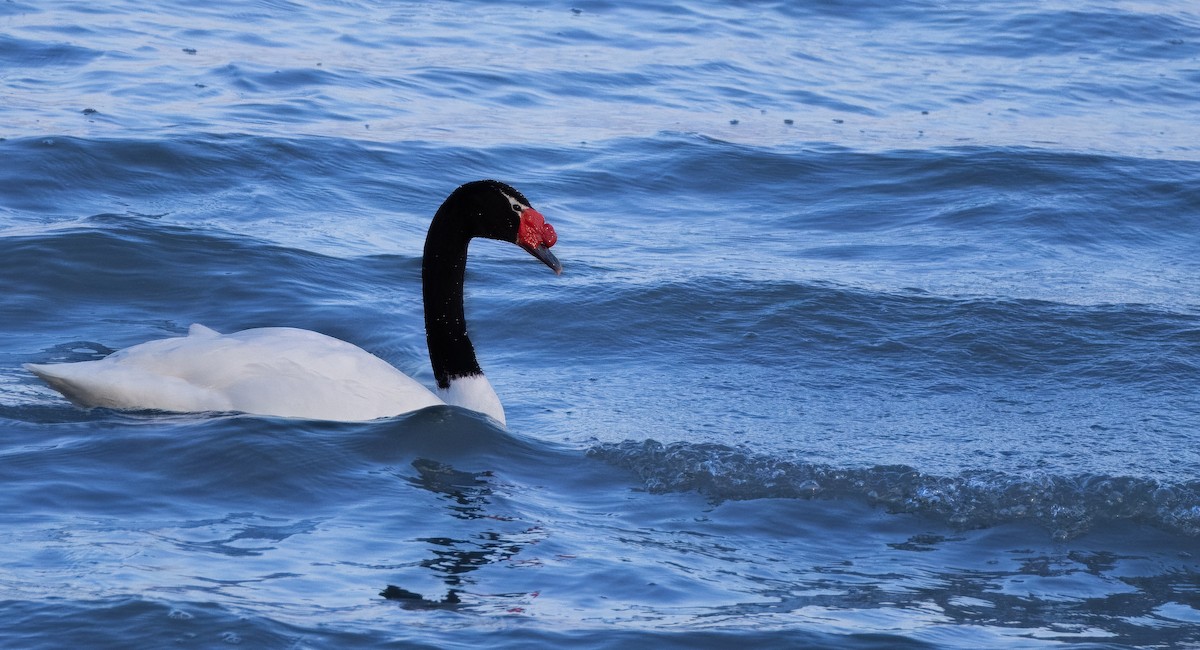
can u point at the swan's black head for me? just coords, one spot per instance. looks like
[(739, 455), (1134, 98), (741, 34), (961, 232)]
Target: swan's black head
[(498, 211)]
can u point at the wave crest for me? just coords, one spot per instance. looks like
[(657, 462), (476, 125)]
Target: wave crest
[(1068, 506)]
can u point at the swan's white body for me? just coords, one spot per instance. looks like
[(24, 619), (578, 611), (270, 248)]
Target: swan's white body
[(278, 371)]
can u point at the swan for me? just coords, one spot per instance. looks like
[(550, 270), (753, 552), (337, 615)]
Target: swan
[(288, 372)]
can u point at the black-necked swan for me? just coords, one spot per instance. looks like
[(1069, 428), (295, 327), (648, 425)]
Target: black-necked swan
[(287, 372)]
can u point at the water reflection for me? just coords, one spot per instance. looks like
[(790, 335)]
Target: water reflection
[(496, 538)]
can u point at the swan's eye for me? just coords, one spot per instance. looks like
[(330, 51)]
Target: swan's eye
[(517, 207)]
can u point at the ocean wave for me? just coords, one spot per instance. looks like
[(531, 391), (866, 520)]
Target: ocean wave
[(910, 333), (1067, 506), (20, 52)]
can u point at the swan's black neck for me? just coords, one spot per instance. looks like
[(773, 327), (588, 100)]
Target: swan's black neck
[(465, 215)]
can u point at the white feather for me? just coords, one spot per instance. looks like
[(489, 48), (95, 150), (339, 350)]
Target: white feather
[(278, 371), (474, 392)]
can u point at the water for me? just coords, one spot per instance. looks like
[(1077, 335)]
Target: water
[(879, 325)]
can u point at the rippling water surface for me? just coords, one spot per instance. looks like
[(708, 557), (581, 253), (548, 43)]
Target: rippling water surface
[(879, 325)]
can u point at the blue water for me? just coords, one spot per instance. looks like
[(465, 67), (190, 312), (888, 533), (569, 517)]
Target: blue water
[(879, 325)]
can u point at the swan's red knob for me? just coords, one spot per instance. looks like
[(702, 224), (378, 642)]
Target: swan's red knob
[(534, 230), (537, 236)]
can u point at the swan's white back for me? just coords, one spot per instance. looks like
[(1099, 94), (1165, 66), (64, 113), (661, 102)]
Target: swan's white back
[(278, 371)]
